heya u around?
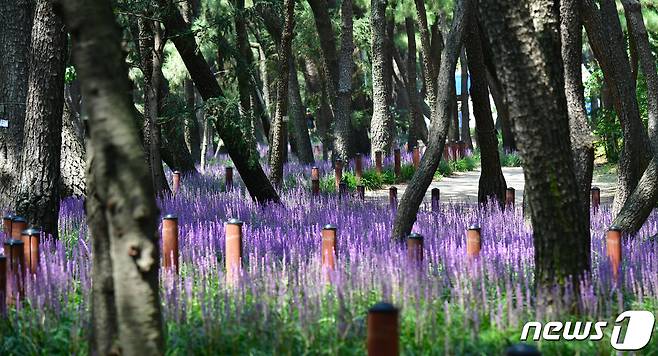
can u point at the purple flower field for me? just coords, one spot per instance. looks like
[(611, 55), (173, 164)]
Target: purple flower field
[(285, 303)]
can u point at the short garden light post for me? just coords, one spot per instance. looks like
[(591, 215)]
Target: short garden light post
[(378, 162), (358, 167), (329, 246), (15, 272), (315, 181), (18, 224), (175, 180), (170, 242), (31, 239), (436, 196), (6, 225), (416, 157), (613, 249), (361, 191), (383, 330), (338, 173), (397, 160), (415, 243), (596, 198), (510, 196), (233, 250), (473, 241), (229, 177)]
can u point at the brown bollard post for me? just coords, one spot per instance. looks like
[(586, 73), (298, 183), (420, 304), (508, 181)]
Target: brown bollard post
[(233, 250), (6, 225), (361, 191), (397, 168), (393, 197), (3, 284), (170, 242), (15, 263), (378, 162), (461, 149), (416, 157), (31, 239), (329, 246), (229, 177), (175, 182), (473, 241), (415, 247), (613, 249), (18, 224), (596, 198), (358, 167), (342, 190), (315, 181), (509, 197), (436, 196), (338, 173), (383, 330)]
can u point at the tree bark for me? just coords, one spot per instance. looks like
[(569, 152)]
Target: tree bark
[(466, 117), (72, 157), (230, 131), (121, 181), (343, 146), (320, 9), (381, 124), (534, 86), (15, 27), (38, 191), (191, 124), (492, 185), (441, 115), (416, 122), (429, 68), (297, 120)]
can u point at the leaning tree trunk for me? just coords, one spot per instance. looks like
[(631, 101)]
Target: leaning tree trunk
[(492, 185), (38, 191), (534, 87), (466, 116), (421, 180), (15, 27), (190, 123), (320, 9), (124, 207), (343, 146), (72, 157), (416, 122), (381, 124), (429, 68), (297, 125)]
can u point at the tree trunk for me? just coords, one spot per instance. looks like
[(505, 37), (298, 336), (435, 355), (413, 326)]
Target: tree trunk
[(381, 124), (72, 157), (492, 185), (121, 182), (328, 45), (38, 191), (191, 124), (429, 69), (15, 27), (441, 116), (416, 122), (534, 89), (466, 116), (343, 146), (297, 120), (246, 160)]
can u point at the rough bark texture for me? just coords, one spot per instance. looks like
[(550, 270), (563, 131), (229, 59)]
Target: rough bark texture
[(429, 69), (413, 195), (534, 87), (15, 27), (38, 193), (381, 124), (121, 180), (230, 131), (416, 122), (580, 133), (343, 146), (320, 9), (72, 157), (466, 117), (492, 185), (297, 125), (190, 123)]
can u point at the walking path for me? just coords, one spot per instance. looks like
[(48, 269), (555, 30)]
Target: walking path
[(463, 186)]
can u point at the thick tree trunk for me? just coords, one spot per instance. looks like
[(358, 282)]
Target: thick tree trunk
[(492, 185), (15, 27), (429, 68), (38, 191), (121, 182), (416, 122), (297, 123), (534, 88), (581, 138), (343, 147), (466, 116), (191, 125), (320, 9), (72, 157), (413, 195), (381, 124), (230, 131)]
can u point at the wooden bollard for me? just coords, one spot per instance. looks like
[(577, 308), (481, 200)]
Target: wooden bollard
[(393, 197), (315, 181), (510, 197), (170, 242), (436, 196), (31, 239), (233, 250), (397, 160), (15, 271), (378, 162), (338, 173), (175, 182), (613, 249), (415, 157), (358, 167), (3, 284), (329, 246), (596, 198), (342, 190), (229, 177), (18, 224), (473, 241), (6, 225), (461, 149), (415, 247), (383, 330), (361, 191)]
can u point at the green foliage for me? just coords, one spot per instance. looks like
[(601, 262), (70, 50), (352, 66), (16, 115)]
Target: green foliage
[(511, 159), (69, 75)]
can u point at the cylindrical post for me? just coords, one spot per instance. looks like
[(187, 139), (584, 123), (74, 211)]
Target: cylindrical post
[(510, 197), (416, 157), (170, 242), (358, 167), (338, 173), (229, 177), (415, 247), (315, 181), (613, 249), (436, 196), (17, 226), (361, 191), (31, 239), (6, 225), (383, 330), (3, 284), (473, 241), (397, 160), (233, 250), (461, 149), (342, 190), (393, 197), (596, 198), (175, 182), (15, 272), (378, 162), (329, 246)]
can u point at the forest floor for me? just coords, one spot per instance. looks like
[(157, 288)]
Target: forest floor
[(463, 186)]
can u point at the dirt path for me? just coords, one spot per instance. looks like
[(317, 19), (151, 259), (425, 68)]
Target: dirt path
[(463, 186)]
